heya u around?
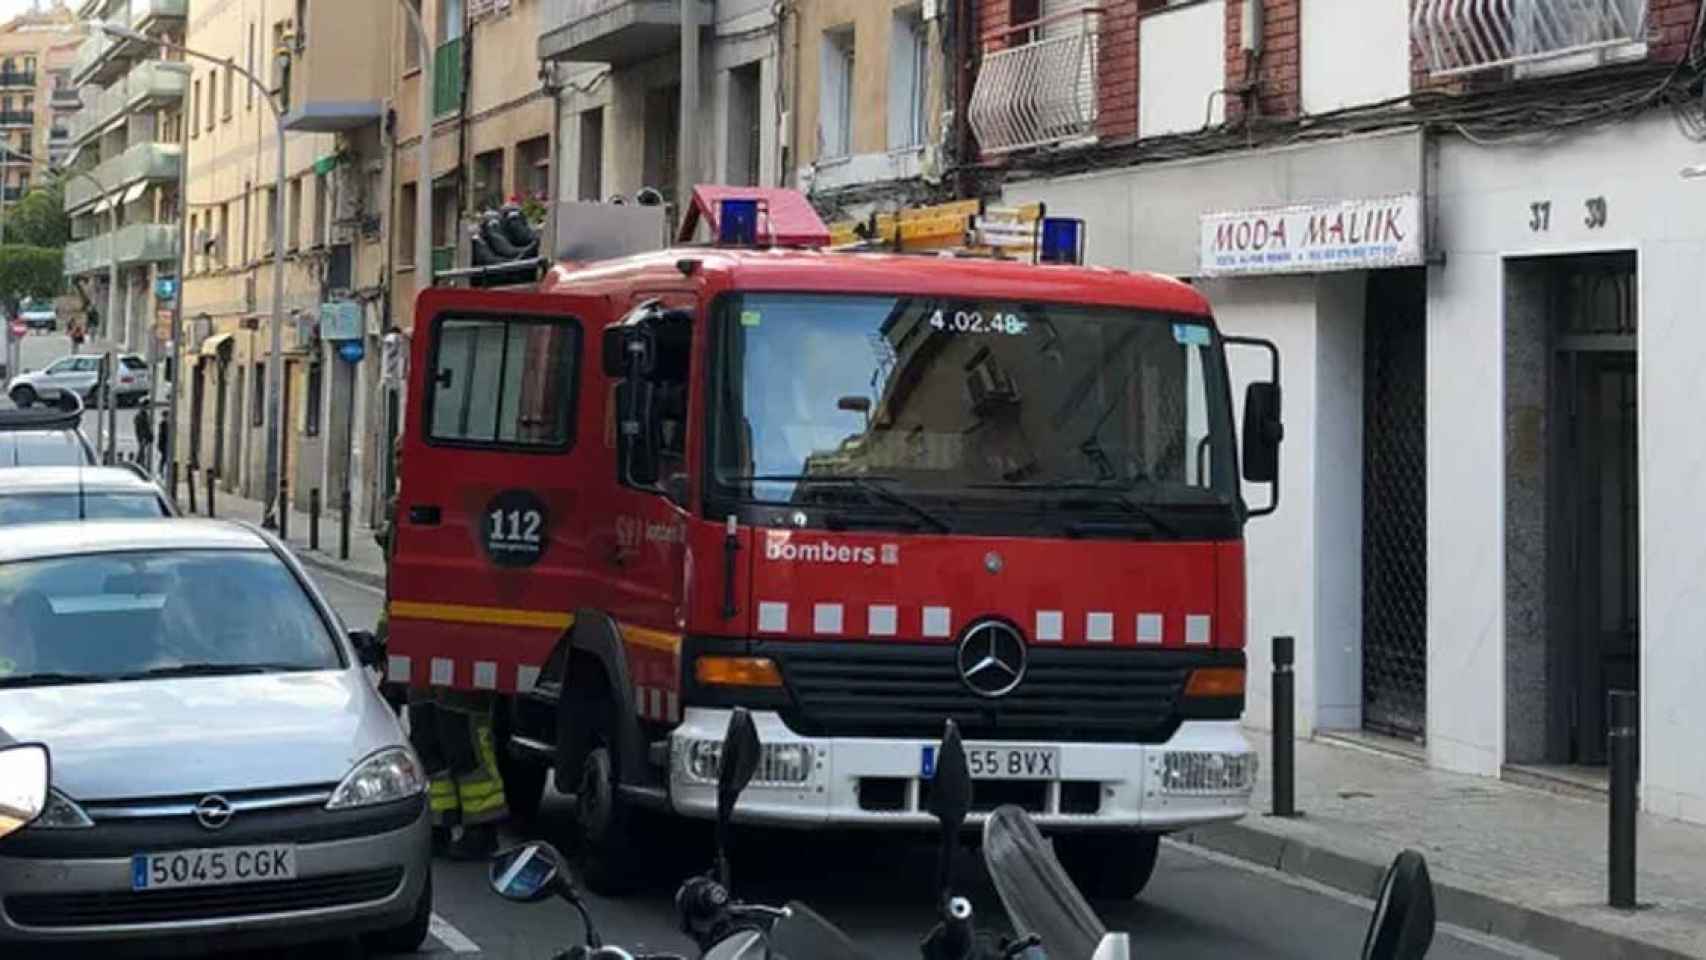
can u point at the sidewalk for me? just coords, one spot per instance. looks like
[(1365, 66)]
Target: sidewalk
[(1524, 864), (366, 563)]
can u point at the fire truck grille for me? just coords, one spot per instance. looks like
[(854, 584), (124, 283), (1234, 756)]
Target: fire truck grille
[(907, 691)]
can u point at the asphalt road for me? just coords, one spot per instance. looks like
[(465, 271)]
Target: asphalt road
[(879, 891)]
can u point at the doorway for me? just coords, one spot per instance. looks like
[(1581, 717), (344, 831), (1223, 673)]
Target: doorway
[(662, 112)]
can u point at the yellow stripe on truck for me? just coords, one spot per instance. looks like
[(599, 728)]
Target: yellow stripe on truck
[(500, 616)]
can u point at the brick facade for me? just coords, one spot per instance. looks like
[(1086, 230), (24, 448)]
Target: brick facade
[(1116, 92), (1279, 76), (1668, 25)]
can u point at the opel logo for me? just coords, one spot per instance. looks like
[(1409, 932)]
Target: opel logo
[(992, 562), (991, 658), (213, 812)]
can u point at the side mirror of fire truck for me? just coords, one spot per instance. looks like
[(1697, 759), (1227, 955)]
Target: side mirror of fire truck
[(1263, 431), (628, 349)]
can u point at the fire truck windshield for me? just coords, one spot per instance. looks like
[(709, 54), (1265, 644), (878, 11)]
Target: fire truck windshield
[(949, 403)]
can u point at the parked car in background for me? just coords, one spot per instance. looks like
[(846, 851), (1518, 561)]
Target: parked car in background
[(39, 317), (42, 494), (225, 772), (45, 436), (80, 374)]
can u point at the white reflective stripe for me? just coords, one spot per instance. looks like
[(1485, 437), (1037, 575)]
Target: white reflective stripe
[(674, 708), (397, 669), (772, 617), (640, 700), (443, 671), (826, 618), (1196, 628), (1149, 627), (938, 621), (882, 620), (657, 704), (1051, 625), (526, 678), (485, 675), (1099, 627)]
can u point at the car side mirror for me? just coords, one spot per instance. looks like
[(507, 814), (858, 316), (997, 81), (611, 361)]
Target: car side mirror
[(1402, 927), (24, 775), (1263, 431), (530, 873), (369, 649)]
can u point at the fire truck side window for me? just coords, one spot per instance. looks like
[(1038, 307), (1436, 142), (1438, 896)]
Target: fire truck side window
[(652, 446), (504, 382)]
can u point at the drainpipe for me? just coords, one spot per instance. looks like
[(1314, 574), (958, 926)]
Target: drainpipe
[(687, 144), (1255, 24)]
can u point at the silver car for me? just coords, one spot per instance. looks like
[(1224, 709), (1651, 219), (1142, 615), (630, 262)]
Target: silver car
[(225, 772), (41, 494)]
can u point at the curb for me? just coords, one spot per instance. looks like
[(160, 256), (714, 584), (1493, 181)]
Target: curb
[(1454, 905), (348, 571)]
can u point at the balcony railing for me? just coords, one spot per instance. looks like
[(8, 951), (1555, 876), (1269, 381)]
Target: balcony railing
[(17, 118), (1465, 36), (145, 161), (93, 57), (447, 78), (1039, 90), (157, 81), (136, 243), (17, 78)]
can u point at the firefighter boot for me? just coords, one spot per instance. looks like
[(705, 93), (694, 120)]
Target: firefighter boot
[(480, 795)]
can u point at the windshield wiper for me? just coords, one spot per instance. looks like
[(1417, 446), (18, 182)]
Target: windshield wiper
[(213, 670), (872, 486), (51, 679), (1107, 493)]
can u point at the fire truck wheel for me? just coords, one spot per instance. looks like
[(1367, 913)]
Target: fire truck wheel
[(524, 785), (1109, 866), (611, 861)]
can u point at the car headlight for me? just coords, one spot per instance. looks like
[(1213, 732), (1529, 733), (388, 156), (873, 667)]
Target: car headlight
[(61, 813), (389, 775)]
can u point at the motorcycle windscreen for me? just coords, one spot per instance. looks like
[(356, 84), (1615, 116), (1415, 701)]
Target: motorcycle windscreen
[(804, 934), (1035, 890)]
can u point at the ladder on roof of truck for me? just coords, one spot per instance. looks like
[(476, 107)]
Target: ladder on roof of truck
[(968, 228)]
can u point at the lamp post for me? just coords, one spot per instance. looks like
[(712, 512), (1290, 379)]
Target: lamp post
[(275, 362)]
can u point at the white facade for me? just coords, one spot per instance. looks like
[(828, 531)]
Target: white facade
[(1375, 67), (1178, 86)]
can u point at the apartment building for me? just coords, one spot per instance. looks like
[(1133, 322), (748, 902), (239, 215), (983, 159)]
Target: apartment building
[(126, 141), (1465, 223), (325, 70), (36, 49)]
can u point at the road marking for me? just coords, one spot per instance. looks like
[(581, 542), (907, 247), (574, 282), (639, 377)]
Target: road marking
[(453, 939), (318, 571)]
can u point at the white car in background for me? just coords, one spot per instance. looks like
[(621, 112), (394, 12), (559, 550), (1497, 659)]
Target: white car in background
[(79, 374)]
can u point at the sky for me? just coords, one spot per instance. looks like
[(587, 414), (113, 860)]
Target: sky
[(11, 8)]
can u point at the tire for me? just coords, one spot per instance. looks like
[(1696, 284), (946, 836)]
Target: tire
[(611, 853), (524, 781), (24, 395), (408, 937), (1109, 866)]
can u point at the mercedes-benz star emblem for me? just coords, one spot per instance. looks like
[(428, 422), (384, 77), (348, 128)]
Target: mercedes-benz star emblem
[(213, 812), (991, 658)]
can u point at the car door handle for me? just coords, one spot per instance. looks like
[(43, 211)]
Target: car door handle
[(425, 515)]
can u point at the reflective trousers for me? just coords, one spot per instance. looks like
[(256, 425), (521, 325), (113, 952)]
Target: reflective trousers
[(454, 740)]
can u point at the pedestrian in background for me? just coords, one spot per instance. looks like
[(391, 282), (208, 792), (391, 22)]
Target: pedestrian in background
[(143, 424), (165, 438), (76, 336)]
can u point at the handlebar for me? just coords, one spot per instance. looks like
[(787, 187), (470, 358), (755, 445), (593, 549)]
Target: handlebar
[(709, 916)]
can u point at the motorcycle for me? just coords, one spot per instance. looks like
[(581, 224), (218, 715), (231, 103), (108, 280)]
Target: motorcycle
[(1049, 917)]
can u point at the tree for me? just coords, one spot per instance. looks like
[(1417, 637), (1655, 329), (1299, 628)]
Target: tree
[(39, 220), (33, 272)]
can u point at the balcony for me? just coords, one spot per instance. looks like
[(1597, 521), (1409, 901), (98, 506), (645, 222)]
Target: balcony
[(336, 84), (149, 15), (145, 162), (1041, 92), (151, 84), (17, 118), (18, 78), (66, 98), (616, 32), (136, 243), (447, 78), (14, 194), (96, 61), (1467, 36)]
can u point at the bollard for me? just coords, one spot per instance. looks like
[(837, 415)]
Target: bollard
[(212, 476), (314, 519), (189, 474), (1622, 744), (343, 529), (283, 511), (1285, 747), (172, 480)]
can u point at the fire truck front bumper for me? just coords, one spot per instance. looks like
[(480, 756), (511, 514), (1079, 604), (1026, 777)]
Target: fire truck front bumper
[(1204, 773)]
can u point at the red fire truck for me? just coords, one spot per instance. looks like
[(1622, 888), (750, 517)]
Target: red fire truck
[(857, 493)]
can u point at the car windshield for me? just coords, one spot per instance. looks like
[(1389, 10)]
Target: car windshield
[(954, 397), (133, 362), (42, 448), (142, 614), (41, 507)]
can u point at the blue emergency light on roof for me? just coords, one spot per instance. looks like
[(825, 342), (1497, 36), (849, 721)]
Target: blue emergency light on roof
[(737, 222), (1062, 240)]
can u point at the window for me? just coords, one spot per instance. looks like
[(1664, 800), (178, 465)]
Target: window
[(489, 180), (591, 185), (449, 20), (269, 218), (195, 109), (27, 148), (230, 89), (745, 125), (835, 109), (411, 43), (311, 403), (322, 209), (248, 222), (651, 412), (258, 396), (533, 167), (221, 245), (293, 225), (504, 382), (250, 100), (405, 232), (908, 79)]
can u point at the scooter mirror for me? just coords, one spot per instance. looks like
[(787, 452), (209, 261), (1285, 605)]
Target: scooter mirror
[(24, 774), (1403, 924), (528, 873), (737, 762), (950, 788)]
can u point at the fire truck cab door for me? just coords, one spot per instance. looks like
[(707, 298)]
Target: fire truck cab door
[(491, 540)]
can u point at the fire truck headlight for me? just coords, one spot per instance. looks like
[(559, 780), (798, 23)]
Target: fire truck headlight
[(391, 774), (779, 764), (1206, 772)]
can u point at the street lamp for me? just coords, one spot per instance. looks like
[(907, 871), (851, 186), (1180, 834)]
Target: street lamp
[(275, 362)]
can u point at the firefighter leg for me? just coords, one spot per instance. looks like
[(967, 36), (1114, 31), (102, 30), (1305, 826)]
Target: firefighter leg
[(424, 716), (479, 787)]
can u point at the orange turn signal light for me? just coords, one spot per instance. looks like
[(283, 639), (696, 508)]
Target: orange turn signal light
[(737, 672), (1215, 682)]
